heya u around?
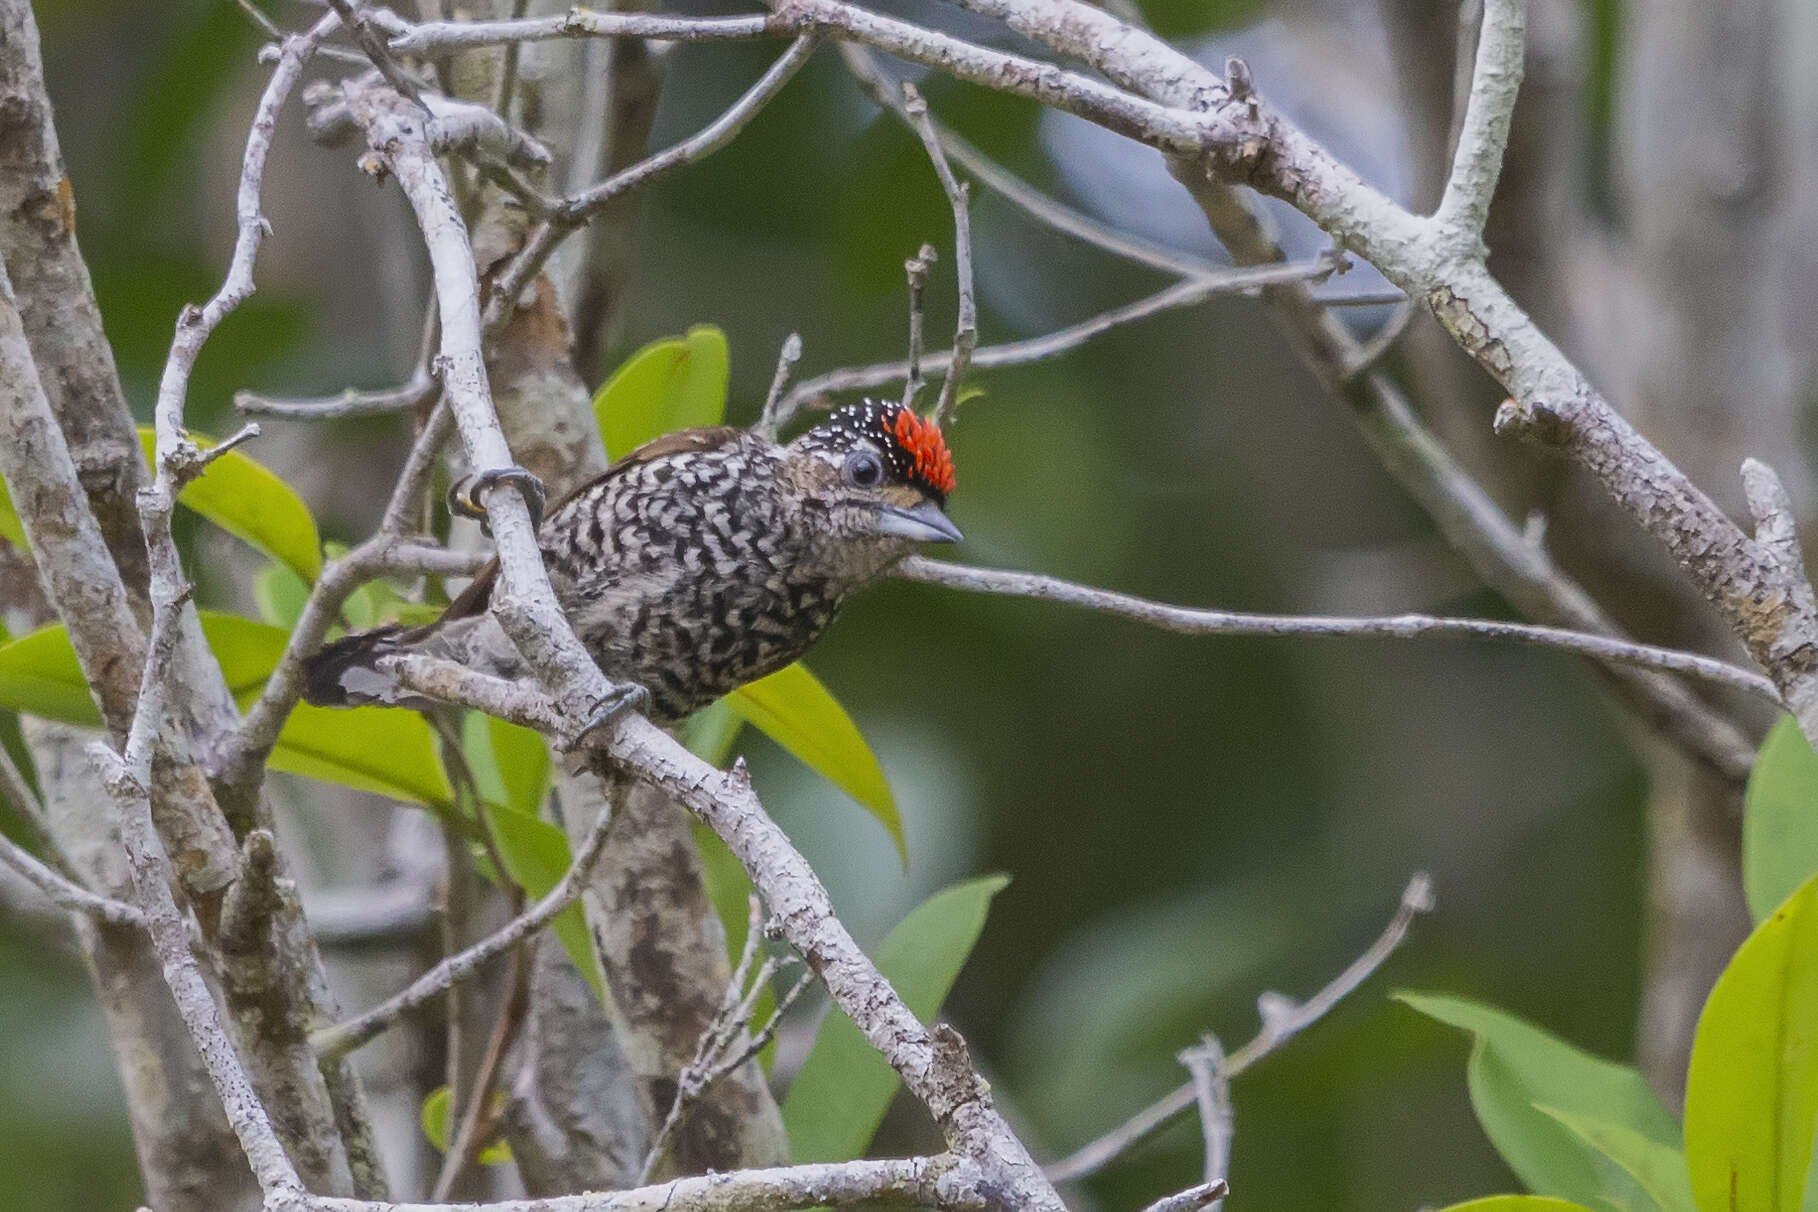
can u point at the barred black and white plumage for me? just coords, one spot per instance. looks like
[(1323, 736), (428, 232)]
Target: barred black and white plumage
[(701, 561)]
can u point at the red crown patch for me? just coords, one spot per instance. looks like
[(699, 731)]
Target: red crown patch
[(923, 440)]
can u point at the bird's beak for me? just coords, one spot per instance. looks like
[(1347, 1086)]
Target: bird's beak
[(924, 523)]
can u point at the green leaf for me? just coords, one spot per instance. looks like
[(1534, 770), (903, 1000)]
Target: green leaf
[(39, 676), (523, 762), (1517, 1203), (840, 1094), (11, 528), (435, 1128), (247, 500), (711, 732), (1660, 1169), (667, 385), (378, 749), (1514, 1066), (793, 709), (1751, 1097), (536, 856), (280, 594), (1780, 819), (369, 748)]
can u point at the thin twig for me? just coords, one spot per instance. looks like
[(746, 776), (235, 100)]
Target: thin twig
[(1192, 1199), (1495, 82), (769, 419), (66, 893), (1212, 1091), (1194, 621), (353, 402), (575, 210), (431, 39), (479, 1122), (360, 24), (1281, 1021), (344, 1037), (1185, 293), (1052, 212), (715, 1056), (916, 270), (965, 333), (941, 1182)]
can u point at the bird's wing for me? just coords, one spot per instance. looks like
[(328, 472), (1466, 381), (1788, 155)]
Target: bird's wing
[(478, 595)]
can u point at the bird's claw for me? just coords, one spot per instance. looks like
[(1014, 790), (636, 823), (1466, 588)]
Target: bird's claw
[(623, 697), (467, 498)]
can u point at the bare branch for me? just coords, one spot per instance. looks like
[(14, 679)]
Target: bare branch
[(128, 779), (1477, 164), (1772, 508), (1192, 621), (770, 420), (916, 270), (1212, 1092), (342, 1038), (1281, 1021), (65, 893), (1044, 209), (571, 212), (1052, 345), (435, 38), (965, 334), (715, 1055), (935, 1182), (360, 24), (1192, 1199)]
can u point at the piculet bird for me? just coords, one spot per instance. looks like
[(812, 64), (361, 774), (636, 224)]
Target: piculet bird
[(698, 562)]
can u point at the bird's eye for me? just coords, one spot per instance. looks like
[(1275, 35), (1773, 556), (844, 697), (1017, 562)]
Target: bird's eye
[(864, 469)]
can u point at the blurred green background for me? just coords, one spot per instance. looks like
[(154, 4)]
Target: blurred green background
[(1188, 822)]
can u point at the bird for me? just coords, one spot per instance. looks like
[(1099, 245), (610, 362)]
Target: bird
[(702, 560)]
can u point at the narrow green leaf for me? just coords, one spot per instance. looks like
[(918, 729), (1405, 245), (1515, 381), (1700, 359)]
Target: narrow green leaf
[(1751, 1097), (1780, 819), (840, 1094), (1514, 1066), (1517, 1203), (377, 749), (280, 594), (536, 856), (369, 748), (711, 732), (247, 499), (667, 385), (39, 676), (11, 528), (435, 1128), (435, 1118), (793, 709), (1660, 1169), (523, 760)]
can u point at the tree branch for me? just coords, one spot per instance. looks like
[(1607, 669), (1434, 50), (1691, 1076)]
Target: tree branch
[(1477, 164), (342, 1038), (1192, 621), (1281, 1021), (1186, 293), (432, 39), (934, 1182), (965, 334), (66, 893)]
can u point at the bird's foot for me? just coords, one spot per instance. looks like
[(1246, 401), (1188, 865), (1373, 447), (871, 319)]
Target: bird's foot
[(467, 498), (623, 697)]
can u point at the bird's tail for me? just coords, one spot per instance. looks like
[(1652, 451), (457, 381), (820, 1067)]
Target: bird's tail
[(346, 673)]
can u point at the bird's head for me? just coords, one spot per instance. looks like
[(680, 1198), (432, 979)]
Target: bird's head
[(874, 479)]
